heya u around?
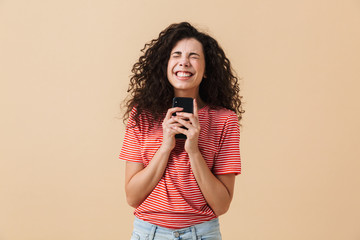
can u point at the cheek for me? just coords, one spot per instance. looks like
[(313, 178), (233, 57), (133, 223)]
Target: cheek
[(168, 71), (170, 66), (200, 68)]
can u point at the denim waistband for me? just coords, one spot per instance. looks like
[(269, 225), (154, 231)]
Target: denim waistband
[(205, 228)]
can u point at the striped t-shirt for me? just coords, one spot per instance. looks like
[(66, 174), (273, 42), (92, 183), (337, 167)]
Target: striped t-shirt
[(176, 201)]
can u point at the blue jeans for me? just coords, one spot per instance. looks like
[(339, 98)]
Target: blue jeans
[(209, 230)]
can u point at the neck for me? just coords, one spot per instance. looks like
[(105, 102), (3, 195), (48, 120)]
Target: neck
[(200, 103)]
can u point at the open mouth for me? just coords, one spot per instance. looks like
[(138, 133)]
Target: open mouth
[(183, 74)]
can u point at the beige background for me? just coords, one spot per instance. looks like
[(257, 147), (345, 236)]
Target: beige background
[(64, 69)]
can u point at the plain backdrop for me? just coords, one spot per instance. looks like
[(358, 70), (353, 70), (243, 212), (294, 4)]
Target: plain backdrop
[(64, 70)]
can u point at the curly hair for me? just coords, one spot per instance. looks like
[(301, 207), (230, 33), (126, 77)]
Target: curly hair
[(152, 92)]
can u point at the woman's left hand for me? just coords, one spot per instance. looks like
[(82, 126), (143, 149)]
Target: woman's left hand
[(193, 129)]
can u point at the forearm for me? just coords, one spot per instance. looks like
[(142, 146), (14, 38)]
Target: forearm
[(214, 191), (143, 182)]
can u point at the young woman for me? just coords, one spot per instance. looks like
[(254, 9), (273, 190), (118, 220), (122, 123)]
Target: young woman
[(179, 187)]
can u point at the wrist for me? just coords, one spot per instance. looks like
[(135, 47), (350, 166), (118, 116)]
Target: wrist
[(164, 149), (193, 153)]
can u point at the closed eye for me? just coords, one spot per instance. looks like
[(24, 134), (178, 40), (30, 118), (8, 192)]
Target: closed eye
[(176, 54), (194, 55)]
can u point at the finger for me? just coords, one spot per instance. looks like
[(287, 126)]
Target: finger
[(191, 117), (180, 130), (175, 125), (184, 114), (171, 111), (195, 108), (170, 124), (171, 121), (194, 120), (183, 122)]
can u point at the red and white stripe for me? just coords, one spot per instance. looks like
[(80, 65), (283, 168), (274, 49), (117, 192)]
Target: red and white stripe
[(176, 201)]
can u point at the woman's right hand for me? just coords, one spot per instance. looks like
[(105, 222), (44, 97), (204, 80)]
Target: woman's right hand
[(169, 131), (140, 181)]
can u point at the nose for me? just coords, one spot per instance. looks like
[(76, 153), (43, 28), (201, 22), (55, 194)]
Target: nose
[(184, 62)]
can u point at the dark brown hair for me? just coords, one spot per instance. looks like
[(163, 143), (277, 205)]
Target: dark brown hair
[(150, 89)]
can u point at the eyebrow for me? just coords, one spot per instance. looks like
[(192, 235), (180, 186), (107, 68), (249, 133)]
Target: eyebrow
[(192, 53)]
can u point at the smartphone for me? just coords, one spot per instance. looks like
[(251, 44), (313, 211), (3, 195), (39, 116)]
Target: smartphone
[(188, 106)]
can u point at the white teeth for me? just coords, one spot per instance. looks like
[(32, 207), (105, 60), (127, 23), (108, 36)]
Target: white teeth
[(183, 74)]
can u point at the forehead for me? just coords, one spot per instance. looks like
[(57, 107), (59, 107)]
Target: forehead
[(188, 45)]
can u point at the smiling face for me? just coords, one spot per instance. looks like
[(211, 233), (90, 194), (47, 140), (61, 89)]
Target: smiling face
[(186, 67)]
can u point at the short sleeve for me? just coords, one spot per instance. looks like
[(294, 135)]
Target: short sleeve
[(227, 159), (131, 148)]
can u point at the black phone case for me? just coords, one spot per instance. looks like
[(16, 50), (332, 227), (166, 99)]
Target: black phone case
[(187, 105)]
